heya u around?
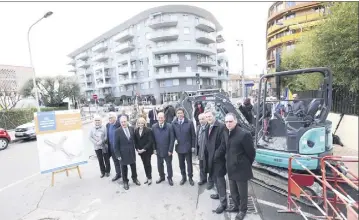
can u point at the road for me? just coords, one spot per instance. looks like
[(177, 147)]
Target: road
[(25, 194)]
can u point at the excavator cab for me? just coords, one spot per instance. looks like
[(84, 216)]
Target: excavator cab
[(293, 120)]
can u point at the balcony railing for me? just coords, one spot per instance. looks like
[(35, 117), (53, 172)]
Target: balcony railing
[(82, 56), (166, 62), (127, 81), (284, 39), (206, 49), (100, 47), (72, 63), (206, 62), (204, 37), (125, 47), (205, 25), (184, 74), (164, 35), (83, 64), (100, 57), (123, 70), (163, 21), (124, 36), (221, 50)]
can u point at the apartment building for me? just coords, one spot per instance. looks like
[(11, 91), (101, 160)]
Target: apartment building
[(286, 22), (155, 53)]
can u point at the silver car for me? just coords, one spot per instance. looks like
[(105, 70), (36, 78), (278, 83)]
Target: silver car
[(25, 131)]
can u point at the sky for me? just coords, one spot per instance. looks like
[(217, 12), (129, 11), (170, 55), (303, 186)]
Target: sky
[(74, 24)]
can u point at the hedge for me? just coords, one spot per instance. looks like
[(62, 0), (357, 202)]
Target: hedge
[(15, 117)]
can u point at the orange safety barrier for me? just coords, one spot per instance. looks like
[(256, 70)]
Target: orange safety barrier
[(335, 200)]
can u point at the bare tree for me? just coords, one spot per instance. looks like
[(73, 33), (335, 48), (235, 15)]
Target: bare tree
[(9, 95)]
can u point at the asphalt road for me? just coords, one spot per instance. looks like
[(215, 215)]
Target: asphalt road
[(25, 194)]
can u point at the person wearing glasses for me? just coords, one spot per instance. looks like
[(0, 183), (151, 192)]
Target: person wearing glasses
[(239, 150), (111, 127), (144, 146)]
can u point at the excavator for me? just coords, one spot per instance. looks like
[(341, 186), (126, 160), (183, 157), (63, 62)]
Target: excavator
[(277, 135)]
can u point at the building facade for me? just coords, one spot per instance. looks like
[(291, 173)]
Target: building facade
[(155, 53), (13, 78), (235, 85), (286, 21)]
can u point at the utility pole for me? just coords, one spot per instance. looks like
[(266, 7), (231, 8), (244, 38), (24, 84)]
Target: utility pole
[(240, 42)]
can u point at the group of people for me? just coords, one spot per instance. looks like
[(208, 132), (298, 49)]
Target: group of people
[(221, 149)]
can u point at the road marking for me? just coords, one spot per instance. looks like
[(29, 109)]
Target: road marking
[(19, 181), (277, 206)]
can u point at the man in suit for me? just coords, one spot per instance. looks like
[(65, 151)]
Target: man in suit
[(216, 167), (123, 113), (152, 115), (111, 128), (240, 153), (163, 145), (125, 151), (185, 135), (200, 147)]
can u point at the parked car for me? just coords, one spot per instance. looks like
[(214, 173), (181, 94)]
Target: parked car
[(4, 139), (25, 131)]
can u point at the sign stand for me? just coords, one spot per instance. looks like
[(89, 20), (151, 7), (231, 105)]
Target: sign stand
[(67, 173)]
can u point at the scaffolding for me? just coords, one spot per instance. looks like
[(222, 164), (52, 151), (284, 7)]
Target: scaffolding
[(338, 186)]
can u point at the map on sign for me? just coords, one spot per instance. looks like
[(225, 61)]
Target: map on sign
[(59, 140)]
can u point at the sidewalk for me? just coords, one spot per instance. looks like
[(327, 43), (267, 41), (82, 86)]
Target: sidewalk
[(347, 151)]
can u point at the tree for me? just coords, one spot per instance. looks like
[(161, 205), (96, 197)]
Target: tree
[(333, 43), (53, 90)]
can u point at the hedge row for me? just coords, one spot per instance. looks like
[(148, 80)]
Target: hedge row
[(15, 117)]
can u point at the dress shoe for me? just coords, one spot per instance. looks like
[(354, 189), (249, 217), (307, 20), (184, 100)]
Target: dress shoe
[(170, 181), (191, 182), (107, 174), (125, 186), (232, 208), (214, 196), (240, 215), (116, 178), (220, 209), (183, 181), (146, 182), (149, 182), (102, 175), (210, 186), (200, 183), (135, 181), (160, 180)]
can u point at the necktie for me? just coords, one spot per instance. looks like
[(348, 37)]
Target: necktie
[(209, 131)]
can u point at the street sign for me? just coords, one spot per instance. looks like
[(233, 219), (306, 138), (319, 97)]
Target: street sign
[(94, 96)]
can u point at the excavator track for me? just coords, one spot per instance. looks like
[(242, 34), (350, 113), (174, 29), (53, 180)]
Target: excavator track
[(276, 179)]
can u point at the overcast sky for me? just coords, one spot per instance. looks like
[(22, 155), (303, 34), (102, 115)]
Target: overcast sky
[(74, 24)]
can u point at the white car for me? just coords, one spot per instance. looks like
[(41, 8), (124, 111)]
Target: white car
[(25, 131)]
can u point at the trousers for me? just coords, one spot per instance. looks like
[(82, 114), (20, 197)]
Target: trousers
[(146, 160), (160, 161), (103, 161), (125, 172), (182, 158), (220, 183), (239, 193)]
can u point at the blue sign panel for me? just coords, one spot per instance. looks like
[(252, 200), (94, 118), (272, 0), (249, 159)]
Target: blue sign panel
[(47, 121)]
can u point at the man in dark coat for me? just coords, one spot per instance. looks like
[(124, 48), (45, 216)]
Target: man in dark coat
[(201, 137), (125, 151), (185, 135), (170, 113), (240, 153), (216, 167), (152, 115), (111, 129), (163, 145)]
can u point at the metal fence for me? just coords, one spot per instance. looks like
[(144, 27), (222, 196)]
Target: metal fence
[(344, 101)]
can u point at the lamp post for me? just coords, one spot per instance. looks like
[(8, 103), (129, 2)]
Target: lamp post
[(48, 14), (240, 43)]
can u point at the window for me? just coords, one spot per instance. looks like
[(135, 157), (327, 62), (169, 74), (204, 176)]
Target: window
[(185, 17), (197, 20), (188, 56), (141, 73), (186, 30), (175, 82), (144, 85), (189, 81), (168, 69), (141, 63), (290, 4), (151, 85), (162, 83)]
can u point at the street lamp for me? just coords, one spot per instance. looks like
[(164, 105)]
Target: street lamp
[(48, 14), (240, 42)]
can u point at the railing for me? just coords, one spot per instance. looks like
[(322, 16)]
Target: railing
[(157, 34), (339, 188), (99, 46), (166, 61), (202, 21), (122, 46), (163, 19), (200, 34), (206, 61), (185, 45), (284, 39), (99, 56), (119, 36)]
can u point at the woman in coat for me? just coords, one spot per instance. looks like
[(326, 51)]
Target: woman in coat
[(144, 146)]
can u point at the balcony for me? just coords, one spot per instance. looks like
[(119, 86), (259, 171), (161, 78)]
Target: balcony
[(123, 70), (166, 62), (89, 88), (222, 77), (219, 39), (128, 81), (100, 66), (100, 47), (100, 57), (163, 22), (125, 47), (221, 50), (125, 58), (206, 62), (124, 36), (88, 72), (184, 74), (82, 56), (284, 39), (294, 21), (88, 80), (106, 84), (72, 70), (205, 38), (83, 64), (100, 75), (185, 48), (164, 35), (205, 25), (72, 63)]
